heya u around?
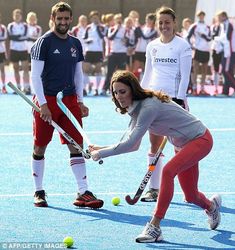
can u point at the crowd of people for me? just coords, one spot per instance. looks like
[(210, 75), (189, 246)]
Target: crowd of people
[(15, 43), (112, 41)]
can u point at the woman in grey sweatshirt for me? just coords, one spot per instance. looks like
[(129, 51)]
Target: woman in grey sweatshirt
[(157, 113)]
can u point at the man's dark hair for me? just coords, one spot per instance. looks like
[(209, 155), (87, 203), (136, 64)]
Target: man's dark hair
[(61, 7)]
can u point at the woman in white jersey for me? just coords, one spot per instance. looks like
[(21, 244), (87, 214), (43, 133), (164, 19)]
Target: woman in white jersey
[(79, 32), (155, 111), (200, 32), (143, 35), (3, 54), (94, 54), (117, 58), (167, 68), (34, 30), (18, 53)]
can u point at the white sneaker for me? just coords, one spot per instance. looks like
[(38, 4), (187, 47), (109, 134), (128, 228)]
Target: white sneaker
[(214, 216), (150, 196), (150, 234)]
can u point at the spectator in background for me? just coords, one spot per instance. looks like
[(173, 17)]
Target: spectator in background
[(80, 29), (3, 54), (18, 31), (202, 36), (135, 16), (225, 38), (186, 24), (117, 58), (232, 20), (34, 30), (108, 21), (94, 54), (217, 52), (129, 41), (143, 35), (79, 32)]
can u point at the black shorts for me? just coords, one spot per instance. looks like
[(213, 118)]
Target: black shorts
[(94, 57), (2, 57), (129, 60), (18, 56), (139, 56), (217, 59), (202, 56)]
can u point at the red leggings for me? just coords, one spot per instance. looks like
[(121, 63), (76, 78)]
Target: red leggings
[(185, 165)]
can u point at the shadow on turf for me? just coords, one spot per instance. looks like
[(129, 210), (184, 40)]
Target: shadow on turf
[(225, 237), (119, 217), (222, 237), (176, 246), (226, 210)]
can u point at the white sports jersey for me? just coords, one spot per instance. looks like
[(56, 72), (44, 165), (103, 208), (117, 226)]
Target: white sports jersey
[(184, 33), (3, 37), (129, 37), (227, 31), (168, 67), (148, 34), (79, 32), (202, 36), (34, 32), (18, 36), (116, 35), (93, 37), (233, 39)]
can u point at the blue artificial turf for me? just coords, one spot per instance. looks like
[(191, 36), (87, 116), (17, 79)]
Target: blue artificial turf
[(112, 227)]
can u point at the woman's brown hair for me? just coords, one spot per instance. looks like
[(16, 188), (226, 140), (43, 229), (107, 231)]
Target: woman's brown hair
[(166, 10), (138, 93)]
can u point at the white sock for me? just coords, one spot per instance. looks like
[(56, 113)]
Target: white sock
[(98, 80), (19, 86), (38, 171), (86, 80), (79, 170), (216, 79), (155, 179), (26, 86)]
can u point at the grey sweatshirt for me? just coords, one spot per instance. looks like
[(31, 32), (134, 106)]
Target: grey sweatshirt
[(160, 118)]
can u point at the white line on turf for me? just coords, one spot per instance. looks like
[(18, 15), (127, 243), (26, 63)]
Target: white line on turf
[(106, 132), (100, 193)]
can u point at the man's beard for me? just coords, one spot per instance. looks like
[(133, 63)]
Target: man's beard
[(61, 31)]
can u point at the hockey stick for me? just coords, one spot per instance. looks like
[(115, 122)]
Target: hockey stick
[(132, 201), (55, 125), (72, 118)]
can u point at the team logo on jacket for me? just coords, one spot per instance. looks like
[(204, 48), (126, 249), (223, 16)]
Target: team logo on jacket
[(154, 52), (73, 52)]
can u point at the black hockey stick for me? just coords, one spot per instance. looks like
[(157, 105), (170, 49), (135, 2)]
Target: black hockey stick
[(132, 201)]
